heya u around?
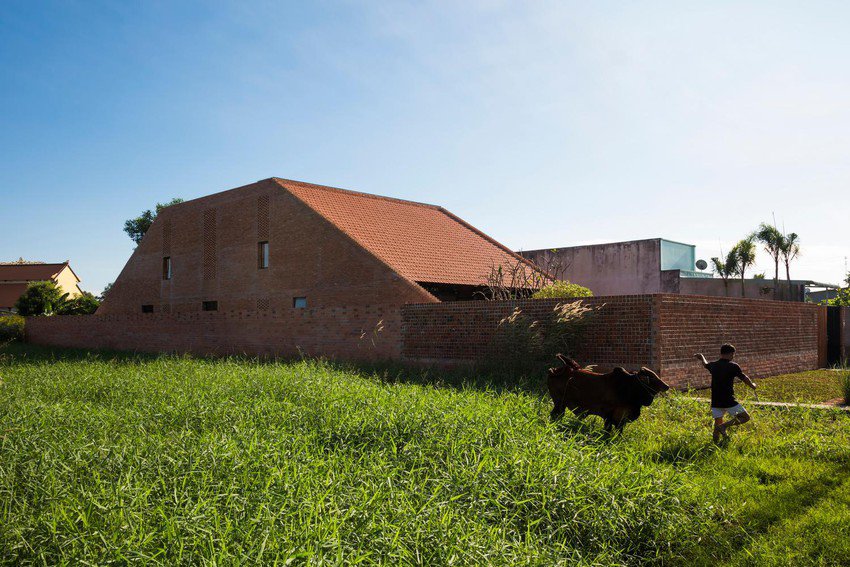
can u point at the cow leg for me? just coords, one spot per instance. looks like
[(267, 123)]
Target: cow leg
[(558, 411)]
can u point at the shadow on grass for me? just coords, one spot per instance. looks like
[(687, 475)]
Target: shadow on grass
[(490, 377)]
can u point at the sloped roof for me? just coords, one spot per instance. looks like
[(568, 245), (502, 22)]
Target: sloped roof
[(424, 243), (9, 294), (30, 272)]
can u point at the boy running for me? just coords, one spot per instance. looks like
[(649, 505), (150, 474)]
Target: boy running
[(723, 374)]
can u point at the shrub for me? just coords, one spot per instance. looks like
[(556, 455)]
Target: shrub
[(40, 298), (11, 328), (84, 304), (562, 289), (522, 343)]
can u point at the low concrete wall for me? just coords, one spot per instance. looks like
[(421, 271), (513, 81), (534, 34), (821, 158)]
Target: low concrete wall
[(356, 333)]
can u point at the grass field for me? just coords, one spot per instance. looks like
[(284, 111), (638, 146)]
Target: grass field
[(116, 459), (814, 387)]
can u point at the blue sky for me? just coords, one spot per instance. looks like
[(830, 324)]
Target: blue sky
[(545, 124)]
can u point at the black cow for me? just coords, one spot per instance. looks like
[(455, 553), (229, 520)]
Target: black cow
[(616, 397)]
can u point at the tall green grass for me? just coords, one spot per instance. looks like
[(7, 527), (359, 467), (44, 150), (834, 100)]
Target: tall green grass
[(174, 460), (844, 383)]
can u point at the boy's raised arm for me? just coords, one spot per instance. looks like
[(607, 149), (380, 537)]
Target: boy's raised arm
[(699, 356)]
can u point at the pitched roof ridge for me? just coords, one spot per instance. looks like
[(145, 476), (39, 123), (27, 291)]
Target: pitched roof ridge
[(30, 263), (283, 181)]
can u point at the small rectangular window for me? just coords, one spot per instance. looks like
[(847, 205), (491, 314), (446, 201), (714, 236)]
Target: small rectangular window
[(147, 308), (210, 306), (166, 268), (263, 255), (299, 302)]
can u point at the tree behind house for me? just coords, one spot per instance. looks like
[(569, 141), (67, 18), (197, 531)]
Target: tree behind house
[(790, 250), (137, 227), (725, 268), (771, 238), (745, 257)]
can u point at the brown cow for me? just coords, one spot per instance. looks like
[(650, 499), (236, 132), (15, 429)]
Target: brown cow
[(616, 397)]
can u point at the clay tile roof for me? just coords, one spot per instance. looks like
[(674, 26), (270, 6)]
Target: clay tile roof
[(421, 242), (29, 272)]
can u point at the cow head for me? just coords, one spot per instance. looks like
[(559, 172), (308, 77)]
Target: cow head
[(650, 385), (568, 367)]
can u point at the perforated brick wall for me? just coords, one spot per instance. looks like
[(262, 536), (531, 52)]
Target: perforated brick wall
[(661, 331), (619, 333)]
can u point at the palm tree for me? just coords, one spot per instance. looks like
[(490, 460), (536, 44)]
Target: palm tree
[(726, 268), (745, 257), (771, 238), (790, 250)]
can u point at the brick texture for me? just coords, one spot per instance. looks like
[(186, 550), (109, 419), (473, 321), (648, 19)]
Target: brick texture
[(350, 333), (620, 332), (772, 337), (212, 242), (660, 331)]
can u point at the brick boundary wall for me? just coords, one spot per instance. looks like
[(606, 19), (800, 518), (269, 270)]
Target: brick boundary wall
[(661, 331), (772, 337), (619, 333), (337, 332)]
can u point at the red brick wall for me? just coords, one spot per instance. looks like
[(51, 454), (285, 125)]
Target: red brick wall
[(772, 337), (620, 333), (659, 331), (336, 332)]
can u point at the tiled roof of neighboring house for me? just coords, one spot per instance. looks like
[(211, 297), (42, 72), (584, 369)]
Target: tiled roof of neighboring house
[(9, 294), (29, 272), (424, 243)]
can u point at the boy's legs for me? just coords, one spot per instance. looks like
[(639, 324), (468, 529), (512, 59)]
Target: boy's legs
[(718, 429), (739, 416)]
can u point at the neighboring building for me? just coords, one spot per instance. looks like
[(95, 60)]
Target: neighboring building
[(16, 276), (821, 296), (652, 266), (281, 245)]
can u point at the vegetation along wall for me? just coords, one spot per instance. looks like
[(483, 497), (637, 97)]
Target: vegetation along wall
[(661, 331)]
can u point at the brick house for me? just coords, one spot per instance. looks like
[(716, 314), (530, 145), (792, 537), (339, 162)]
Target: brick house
[(16, 276), (281, 245)]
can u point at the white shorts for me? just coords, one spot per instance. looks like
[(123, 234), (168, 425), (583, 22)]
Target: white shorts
[(717, 413)]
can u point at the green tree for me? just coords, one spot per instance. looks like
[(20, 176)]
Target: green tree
[(790, 251), (41, 298), (771, 238), (725, 268), (137, 227), (85, 304), (561, 289), (842, 297), (745, 257), (106, 289)]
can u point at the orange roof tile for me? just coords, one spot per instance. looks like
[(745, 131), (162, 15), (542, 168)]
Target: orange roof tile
[(29, 272), (424, 243)]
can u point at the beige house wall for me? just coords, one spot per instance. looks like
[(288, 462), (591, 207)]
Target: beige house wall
[(67, 282)]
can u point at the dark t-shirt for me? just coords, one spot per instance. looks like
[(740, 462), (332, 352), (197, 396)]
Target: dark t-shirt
[(723, 374)]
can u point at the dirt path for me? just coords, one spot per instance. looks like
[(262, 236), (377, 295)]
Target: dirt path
[(788, 405)]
